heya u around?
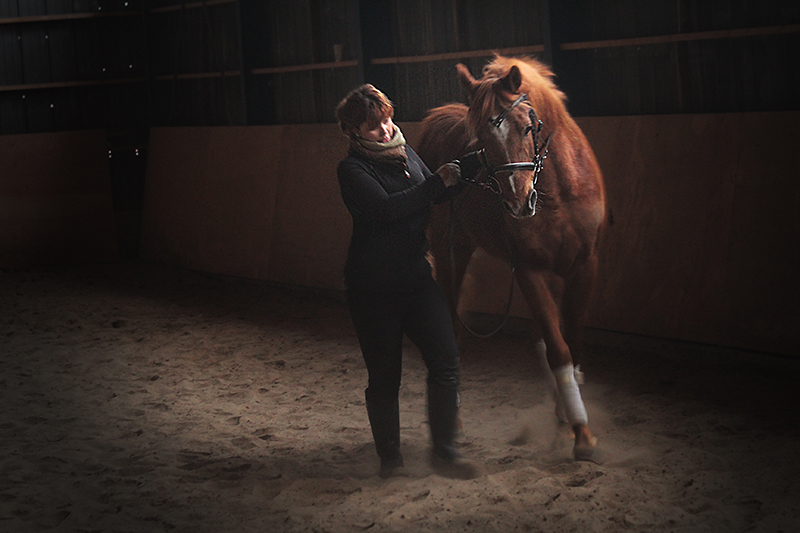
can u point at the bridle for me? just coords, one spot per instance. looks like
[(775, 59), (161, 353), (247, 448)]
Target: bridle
[(540, 149)]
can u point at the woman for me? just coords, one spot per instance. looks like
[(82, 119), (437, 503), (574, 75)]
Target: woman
[(390, 290)]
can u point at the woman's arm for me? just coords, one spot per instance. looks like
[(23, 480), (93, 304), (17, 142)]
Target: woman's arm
[(453, 186), (363, 194)]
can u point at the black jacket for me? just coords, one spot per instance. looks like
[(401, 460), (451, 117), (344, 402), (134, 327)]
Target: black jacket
[(390, 212)]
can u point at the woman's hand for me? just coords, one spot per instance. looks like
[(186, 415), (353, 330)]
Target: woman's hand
[(470, 164), (450, 174)]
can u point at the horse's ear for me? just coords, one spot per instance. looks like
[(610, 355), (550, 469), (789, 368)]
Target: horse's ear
[(512, 80), (466, 79)]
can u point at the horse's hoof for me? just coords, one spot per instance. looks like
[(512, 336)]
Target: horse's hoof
[(585, 444), (583, 453)]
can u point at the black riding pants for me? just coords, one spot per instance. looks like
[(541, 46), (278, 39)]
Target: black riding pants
[(381, 319)]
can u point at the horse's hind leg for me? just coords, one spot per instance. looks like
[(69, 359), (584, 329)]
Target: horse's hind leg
[(537, 292)]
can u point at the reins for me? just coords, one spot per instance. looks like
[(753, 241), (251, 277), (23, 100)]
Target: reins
[(453, 285), (491, 183)]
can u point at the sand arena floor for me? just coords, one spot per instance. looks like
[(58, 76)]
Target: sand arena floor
[(144, 398)]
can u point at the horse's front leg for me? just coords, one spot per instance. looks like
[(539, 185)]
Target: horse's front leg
[(578, 287), (452, 250), (539, 297)]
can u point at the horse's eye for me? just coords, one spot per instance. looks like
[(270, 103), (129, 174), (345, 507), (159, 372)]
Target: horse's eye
[(528, 129)]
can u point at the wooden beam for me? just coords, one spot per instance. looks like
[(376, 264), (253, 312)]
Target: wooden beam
[(683, 37), (457, 55), (62, 84), (191, 5), (304, 68), (128, 148), (199, 75), (68, 16)]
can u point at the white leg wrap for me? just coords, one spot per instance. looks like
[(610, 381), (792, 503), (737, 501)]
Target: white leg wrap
[(570, 394), (540, 348)]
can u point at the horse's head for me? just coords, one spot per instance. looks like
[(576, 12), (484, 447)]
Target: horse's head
[(505, 126)]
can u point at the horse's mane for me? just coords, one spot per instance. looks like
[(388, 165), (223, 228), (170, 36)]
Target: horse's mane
[(537, 83), (456, 124)]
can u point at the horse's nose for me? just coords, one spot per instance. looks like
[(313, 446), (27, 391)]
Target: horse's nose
[(521, 205), (522, 209)]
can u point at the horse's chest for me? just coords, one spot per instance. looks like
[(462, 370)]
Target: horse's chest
[(539, 243)]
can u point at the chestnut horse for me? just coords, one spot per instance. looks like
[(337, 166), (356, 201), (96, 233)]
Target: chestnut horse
[(540, 207)]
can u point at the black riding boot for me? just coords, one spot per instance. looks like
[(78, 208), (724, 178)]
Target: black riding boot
[(384, 419), (442, 416)]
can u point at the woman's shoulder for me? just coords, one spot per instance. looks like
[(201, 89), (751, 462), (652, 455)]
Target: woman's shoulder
[(355, 169), (351, 162)]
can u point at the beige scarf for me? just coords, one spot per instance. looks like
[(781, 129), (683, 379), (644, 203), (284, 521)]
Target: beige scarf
[(393, 151)]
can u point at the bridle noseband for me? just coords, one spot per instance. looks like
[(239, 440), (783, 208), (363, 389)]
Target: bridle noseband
[(539, 153)]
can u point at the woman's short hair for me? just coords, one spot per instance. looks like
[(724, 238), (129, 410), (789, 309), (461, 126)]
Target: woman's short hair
[(363, 104)]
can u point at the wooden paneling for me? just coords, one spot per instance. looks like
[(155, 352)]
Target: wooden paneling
[(203, 208), (55, 199), (63, 51), (423, 28), (259, 202), (484, 24), (195, 61), (85, 64), (56, 52), (10, 52), (293, 75), (311, 231), (704, 242)]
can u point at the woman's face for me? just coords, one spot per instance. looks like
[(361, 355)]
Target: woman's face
[(381, 133)]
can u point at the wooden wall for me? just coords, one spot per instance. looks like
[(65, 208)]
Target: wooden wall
[(55, 199), (704, 243), (70, 65), (259, 202)]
